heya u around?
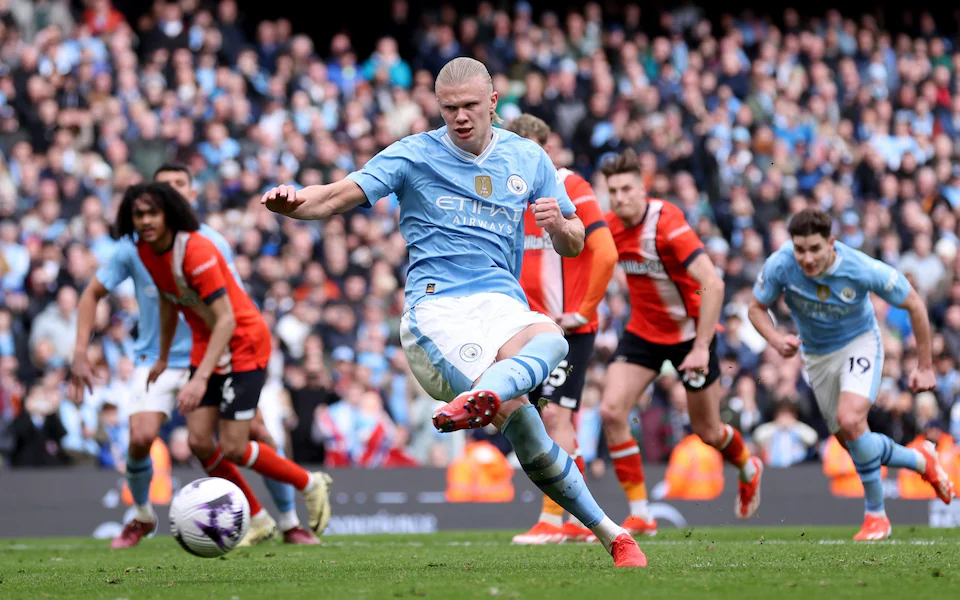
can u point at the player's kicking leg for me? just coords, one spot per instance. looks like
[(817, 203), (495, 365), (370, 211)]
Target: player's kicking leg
[(703, 404), (149, 409), (284, 496), (237, 395), (522, 364), (559, 398)]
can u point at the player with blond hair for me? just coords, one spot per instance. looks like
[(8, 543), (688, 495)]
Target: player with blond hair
[(467, 330)]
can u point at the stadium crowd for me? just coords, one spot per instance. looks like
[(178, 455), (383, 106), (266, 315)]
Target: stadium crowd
[(740, 122)]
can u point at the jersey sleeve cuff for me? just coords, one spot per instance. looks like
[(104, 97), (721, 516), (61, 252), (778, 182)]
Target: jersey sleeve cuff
[(593, 227), (372, 187), (692, 257), (212, 297)]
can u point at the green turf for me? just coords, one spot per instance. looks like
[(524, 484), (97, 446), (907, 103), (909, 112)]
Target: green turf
[(698, 563)]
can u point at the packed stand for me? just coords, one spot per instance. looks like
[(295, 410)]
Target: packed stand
[(741, 123)]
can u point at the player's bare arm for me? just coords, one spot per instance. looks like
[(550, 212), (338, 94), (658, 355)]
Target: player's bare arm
[(786, 345), (224, 325), (168, 328), (923, 377), (567, 233), (315, 201), (711, 301), (80, 370)]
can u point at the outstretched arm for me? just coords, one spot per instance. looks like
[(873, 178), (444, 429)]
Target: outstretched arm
[(314, 201), (82, 374)]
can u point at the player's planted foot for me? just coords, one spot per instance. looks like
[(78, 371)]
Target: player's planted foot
[(262, 529), (748, 498), (132, 533), (541, 533), (875, 528), (470, 410), (935, 475), (299, 536), (317, 499), (639, 526), (577, 533), (626, 552)]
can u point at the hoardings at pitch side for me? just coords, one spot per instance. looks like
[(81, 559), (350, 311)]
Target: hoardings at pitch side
[(88, 502)]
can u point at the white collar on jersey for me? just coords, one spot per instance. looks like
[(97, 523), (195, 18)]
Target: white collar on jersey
[(833, 268), (466, 156)]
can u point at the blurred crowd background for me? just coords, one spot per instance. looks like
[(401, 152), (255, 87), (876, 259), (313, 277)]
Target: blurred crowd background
[(741, 121)]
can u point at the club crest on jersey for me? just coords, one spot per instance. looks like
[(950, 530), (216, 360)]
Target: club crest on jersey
[(848, 294), (517, 185), (484, 186), (823, 292), (470, 352)]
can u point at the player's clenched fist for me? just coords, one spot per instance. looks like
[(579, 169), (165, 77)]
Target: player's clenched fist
[(282, 199), (787, 346), (548, 215)]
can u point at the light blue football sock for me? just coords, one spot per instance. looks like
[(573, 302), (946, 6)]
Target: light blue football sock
[(549, 467), (893, 454), (139, 475), (866, 452), (518, 375)]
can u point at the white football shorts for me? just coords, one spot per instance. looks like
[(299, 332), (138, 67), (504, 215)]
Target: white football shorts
[(162, 395), (856, 368), (450, 342)]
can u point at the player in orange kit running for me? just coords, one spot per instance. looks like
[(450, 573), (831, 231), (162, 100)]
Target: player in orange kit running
[(569, 290), (675, 300), (231, 344)]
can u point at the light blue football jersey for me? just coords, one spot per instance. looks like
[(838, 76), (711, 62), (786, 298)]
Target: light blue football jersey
[(460, 214), (833, 309), (124, 263)]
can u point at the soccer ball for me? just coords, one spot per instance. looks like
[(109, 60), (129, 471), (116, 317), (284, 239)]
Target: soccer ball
[(209, 517)]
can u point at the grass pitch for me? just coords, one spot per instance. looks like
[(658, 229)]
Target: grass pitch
[(735, 563)]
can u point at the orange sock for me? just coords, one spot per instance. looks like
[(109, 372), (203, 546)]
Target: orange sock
[(264, 460), (733, 449), (216, 466), (629, 468), (551, 512)]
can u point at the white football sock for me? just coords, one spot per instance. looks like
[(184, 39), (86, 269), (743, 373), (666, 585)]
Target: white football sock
[(551, 519), (921, 462), (144, 513), (288, 520), (607, 531), (640, 508)]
